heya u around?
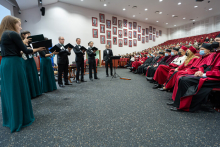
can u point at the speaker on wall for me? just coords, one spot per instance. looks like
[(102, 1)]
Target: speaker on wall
[(42, 11)]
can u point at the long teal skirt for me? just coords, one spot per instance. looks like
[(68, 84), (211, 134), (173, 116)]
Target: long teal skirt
[(15, 95), (47, 79), (32, 77)]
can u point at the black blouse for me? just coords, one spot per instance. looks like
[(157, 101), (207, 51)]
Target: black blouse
[(44, 52), (11, 44)]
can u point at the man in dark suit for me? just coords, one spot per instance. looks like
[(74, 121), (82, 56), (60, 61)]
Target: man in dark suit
[(107, 53), (63, 61), (91, 59), (79, 60)]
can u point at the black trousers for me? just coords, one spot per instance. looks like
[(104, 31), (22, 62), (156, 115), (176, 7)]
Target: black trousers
[(80, 67), (151, 71), (92, 65), (62, 68), (106, 66), (188, 86)]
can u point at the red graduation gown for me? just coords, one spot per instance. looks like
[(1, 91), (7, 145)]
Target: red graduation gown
[(208, 60), (213, 75), (197, 65), (138, 63), (162, 72), (171, 77)]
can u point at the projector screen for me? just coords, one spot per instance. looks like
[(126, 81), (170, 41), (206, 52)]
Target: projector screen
[(4, 12)]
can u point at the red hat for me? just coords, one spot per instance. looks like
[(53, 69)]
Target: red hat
[(184, 48), (192, 49)]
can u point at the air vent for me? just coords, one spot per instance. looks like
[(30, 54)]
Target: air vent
[(134, 7)]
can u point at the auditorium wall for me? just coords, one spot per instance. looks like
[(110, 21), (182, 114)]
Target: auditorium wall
[(71, 21), (205, 26)]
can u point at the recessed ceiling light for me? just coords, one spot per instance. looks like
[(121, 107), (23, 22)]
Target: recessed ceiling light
[(174, 25), (193, 20), (133, 15), (195, 6), (81, 0), (146, 18), (184, 18), (124, 9), (157, 21), (145, 9), (160, 12), (105, 5), (210, 8), (173, 15), (166, 23), (160, 0), (179, 3)]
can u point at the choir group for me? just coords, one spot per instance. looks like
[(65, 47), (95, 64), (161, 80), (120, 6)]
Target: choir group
[(190, 71), (19, 75)]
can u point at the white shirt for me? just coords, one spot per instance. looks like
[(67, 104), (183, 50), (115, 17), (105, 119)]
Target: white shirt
[(107, 51), (179, 60)]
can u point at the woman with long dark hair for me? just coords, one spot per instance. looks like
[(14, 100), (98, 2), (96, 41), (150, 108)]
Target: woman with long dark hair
[(15, 95), (47, 79), (31, 70)]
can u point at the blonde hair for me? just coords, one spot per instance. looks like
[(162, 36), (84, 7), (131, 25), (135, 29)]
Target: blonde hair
[(8, 23), (189, 57)]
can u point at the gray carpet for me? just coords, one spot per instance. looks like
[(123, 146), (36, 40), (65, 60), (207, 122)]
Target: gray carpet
[(113, 113)]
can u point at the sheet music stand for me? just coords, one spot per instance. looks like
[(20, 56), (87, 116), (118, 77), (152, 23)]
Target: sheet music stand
[(114, 58)]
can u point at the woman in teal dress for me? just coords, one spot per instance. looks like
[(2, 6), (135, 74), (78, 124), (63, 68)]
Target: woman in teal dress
[(47, 78), (31, 70), (15, 95)]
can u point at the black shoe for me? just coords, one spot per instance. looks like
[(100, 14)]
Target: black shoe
[(67, 84), (61, 85), (174, 109), (157, 86), (83, 81), (96, 78), (77, 81), (152, 81), (107, 75), (170, 103), (91, 79)]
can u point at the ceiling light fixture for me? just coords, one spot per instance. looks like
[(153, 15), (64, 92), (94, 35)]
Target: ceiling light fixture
[(160, 0), (210, 8), (179, 3), (146, 18), (133, 15), (160, 12), (145, 9), (184, 18), (166, 23), (124, 9), (193, 19), (174, 25), (157, 21), (81, 0), (195, 6), (105, 5)]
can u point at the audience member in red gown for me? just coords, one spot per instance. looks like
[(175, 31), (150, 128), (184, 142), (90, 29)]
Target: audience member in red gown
[(193, 90), (163, 70)]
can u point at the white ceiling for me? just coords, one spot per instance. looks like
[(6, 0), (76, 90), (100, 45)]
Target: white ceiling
[(167, 7)]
